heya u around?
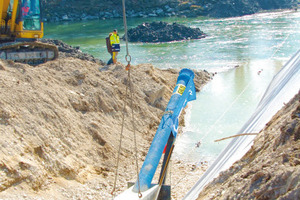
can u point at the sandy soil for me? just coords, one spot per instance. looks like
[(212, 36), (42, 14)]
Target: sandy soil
[(60, 124)]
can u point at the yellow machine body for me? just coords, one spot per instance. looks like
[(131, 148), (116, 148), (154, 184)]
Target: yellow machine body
[(20, 27)]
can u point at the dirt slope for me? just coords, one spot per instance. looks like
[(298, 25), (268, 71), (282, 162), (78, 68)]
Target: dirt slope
[(60, 124), (270, 170)]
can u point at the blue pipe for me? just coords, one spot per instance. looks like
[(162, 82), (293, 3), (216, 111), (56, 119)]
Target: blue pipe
[(183, 92)]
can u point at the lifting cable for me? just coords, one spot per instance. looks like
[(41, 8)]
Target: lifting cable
[(129, 85)]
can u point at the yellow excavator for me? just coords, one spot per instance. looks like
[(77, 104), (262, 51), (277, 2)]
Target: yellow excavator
[(20, 28)]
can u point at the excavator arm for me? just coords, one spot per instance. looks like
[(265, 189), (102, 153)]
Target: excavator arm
[(3, 14)]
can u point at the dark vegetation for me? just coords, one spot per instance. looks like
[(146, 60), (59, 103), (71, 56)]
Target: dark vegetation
[(54, 10)]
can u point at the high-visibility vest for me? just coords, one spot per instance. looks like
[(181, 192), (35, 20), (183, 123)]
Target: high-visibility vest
[(114, 39)]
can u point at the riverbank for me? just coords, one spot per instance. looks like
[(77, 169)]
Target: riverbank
[(60, 124), (55, 11)]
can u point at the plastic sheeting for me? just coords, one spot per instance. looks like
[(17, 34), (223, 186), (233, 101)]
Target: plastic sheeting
[(284, 86)]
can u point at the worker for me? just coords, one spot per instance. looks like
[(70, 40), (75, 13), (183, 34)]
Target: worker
[(25, 9), (115, 45)]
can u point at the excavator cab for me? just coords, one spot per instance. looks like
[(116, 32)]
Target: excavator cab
[(31, 15), (20, 28)]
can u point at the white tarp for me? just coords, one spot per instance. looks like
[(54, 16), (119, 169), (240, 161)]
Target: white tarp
[(284, 86)]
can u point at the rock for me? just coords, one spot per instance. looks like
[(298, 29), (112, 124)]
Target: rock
[(66, 50), (237, 8), (65, 18), (169, 9), (152, 15), (163, 32), (108, 15), (159, 12), (184, 6), (116, 14)]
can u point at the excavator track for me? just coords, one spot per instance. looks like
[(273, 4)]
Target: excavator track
[(32, 53)]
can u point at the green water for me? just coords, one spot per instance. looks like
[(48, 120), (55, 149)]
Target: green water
[(258, 44)]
